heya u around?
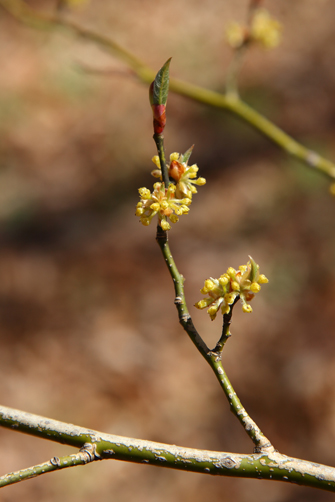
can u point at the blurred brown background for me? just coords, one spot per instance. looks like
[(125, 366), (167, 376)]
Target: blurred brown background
[(89, 332)]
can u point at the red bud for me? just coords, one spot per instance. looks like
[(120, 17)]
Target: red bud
[(159, 118)]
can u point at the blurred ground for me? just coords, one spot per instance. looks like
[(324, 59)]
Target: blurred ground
[(89, 332)]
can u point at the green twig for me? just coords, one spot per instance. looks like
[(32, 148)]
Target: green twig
[(55, 464), (265, 465), (180, 302), (159, 140), (260, 441), (233, 71), (231, 103), (213, 358), (225, 329)]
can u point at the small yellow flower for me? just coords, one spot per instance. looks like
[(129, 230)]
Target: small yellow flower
[(255, 287), (262, 279), (174, 156), (229, 298), (224, 279), (161, 202), (235, 286), (265, 29), (236, 35), (184, 176), (223, 292), (231, 272)]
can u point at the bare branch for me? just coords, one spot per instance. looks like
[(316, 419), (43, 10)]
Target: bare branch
[(86, 454), (266, 465)]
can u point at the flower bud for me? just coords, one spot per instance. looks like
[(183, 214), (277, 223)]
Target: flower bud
[(262, 279), (255, 287)]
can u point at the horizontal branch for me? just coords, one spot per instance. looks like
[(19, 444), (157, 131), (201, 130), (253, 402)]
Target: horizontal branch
[(229, 102), (270, 465)]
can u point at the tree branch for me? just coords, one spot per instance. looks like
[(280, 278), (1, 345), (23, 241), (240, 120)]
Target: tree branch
[(213, 358), (84, 456), (266, 465)]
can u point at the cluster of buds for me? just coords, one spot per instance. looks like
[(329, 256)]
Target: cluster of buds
[(223, 292), (263, 30), (162, 202), (183, 175), (169, 203)]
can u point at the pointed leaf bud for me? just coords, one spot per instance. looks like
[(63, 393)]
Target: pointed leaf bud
[(185, 157), (254, 270), (159, 88), (158, 94)]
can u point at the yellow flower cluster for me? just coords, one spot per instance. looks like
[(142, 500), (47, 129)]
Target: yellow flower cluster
[(222, 293), (162, 202), (169, 203), (184, 176), (236, 35), (264, 30)]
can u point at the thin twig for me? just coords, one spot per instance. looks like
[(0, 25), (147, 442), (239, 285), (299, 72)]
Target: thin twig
[(213, 358), (225, 329), (231, 103), (180, 302), (261, 442), (233, 71), (55, 464), (159, 140)]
